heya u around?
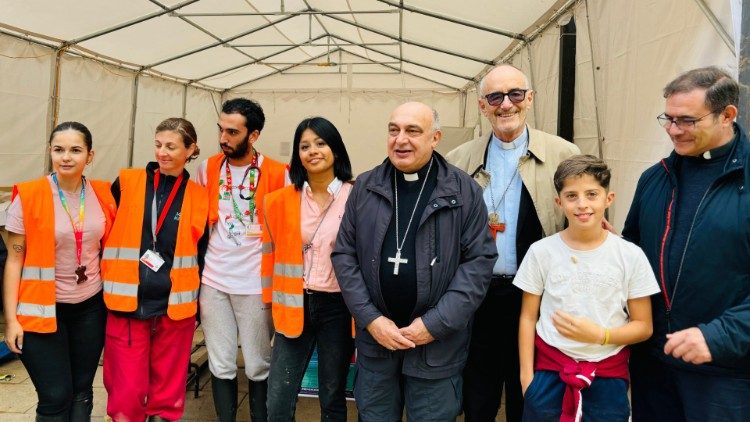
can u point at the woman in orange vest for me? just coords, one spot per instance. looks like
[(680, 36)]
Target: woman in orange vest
[(307, 306), (54, 312), (150, 272)]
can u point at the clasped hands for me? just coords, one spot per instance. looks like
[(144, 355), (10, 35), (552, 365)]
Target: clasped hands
[(388, 335)]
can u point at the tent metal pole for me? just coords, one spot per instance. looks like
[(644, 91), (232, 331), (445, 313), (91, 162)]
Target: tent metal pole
[(599, 137), (717, 25), (744, 67), (401, 36), (308, 44), (129, 23), (184, 100), (410, 42), (218, 43), (533, 83), (468, 78), (301, 12), (412, 9), (282, 70), (53, 109), (133, 112), (254, 61)]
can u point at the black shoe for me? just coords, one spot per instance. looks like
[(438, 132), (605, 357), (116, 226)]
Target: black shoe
[(258, 394), (225, 398)]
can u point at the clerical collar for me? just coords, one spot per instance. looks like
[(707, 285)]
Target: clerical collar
[(519, 142), (413, 177), (719, 152), (333, 187)]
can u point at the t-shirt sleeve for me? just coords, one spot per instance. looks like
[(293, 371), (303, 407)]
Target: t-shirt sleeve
[(642, 282), (14, 220), (529, 276)]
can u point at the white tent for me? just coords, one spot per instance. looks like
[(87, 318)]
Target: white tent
[(121, 67)]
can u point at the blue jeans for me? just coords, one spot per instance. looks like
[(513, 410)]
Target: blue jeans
[(666, 394), (382, 391), (327, 323), (62, 364), (605, 400)]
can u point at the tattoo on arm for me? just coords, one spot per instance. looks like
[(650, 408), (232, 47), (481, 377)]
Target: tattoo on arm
[(18, 248)]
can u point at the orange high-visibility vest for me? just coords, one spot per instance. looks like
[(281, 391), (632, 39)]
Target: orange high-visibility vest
[(272, 177), (36, 292), (282, 261), (121, 254)]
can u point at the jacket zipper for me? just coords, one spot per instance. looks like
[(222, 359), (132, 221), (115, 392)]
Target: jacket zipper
[(667, 301)]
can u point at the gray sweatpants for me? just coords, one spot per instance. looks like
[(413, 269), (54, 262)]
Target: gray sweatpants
[(223, 317)]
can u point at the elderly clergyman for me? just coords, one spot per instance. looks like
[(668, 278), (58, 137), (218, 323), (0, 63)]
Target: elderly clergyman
[(413, 258)]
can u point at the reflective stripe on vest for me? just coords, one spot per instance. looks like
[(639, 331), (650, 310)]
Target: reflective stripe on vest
[(266, 247), (185, 262), (38, 273), (288, 299), (178, 298), (288, 270), (120, 289), (129, 254), (35, 310)]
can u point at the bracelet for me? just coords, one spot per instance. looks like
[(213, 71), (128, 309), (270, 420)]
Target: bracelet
[(606, 337)]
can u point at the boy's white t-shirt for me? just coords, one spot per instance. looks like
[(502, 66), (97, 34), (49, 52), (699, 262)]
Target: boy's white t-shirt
[(595, 284)]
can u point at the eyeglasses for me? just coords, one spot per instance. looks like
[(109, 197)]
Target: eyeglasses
[(682, 123), (514, 95)]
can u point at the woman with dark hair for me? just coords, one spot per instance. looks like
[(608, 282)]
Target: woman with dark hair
[(307, 306), (150, 271), (54, 312)]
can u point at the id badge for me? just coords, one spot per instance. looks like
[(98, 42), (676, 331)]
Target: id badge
[(152, 260), (253, 230)]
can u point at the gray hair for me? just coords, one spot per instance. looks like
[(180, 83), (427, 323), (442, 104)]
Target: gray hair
[(480, 88)]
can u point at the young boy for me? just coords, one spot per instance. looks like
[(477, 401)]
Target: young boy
[(586, 296)]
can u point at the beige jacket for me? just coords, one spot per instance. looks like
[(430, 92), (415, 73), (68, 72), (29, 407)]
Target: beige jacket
[(537, 170)]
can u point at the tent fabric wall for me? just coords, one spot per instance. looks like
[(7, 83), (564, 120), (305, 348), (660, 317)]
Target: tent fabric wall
[(25, 71), (100, 97), (202, 109)]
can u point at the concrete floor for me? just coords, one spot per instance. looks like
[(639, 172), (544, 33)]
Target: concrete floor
[(18, 396)]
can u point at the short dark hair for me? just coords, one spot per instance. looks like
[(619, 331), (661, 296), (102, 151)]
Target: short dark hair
[(78, 127), (721, 89), (185, 129), (251, 110), (577, 166), (342, 167)]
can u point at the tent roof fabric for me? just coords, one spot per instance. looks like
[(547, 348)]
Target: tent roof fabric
[(226, 44)]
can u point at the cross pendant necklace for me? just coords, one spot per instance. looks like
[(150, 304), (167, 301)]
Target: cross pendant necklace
[(495, 223), (397, 260)]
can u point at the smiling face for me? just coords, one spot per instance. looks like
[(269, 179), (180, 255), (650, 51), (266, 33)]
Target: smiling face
[(234, 139), (508, 119), (411, 137), (315, 154), (69, 153), (583, 200), (170, 152), (710, 132)]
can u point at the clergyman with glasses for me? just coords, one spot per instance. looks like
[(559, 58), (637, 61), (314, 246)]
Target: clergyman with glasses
[(690, 216), (514, 165), (413, 258)]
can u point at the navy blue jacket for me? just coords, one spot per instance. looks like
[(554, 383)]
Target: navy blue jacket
[(713, 289), (454, 257)]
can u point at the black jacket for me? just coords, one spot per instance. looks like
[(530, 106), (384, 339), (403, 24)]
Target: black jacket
[(455, 256), (713, 290)]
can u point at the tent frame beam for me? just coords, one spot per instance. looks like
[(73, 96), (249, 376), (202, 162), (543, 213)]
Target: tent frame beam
[(278, 71), (296, 13), (744, 67), (462, 22)]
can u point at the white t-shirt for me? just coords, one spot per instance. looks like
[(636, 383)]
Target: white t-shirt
[(595, 284), (231, 267)]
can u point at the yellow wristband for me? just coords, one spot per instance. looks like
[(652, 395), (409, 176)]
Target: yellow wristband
[(606, 337)]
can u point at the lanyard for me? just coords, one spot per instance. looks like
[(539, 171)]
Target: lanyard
[(155, 229), (252, 186), (77, 228)]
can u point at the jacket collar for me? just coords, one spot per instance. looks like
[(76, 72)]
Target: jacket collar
[(381, 180)]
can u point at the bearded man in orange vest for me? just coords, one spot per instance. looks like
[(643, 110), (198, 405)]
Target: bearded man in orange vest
[(231, 303)]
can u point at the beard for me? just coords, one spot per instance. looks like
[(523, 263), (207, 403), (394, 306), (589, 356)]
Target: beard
[(240, 151)]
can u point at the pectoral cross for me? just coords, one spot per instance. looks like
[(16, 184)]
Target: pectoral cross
[(495, 224), (397, 260)]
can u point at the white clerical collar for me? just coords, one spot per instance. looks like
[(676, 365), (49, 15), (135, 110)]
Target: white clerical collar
[(411, 177), (519, 142), (333, 187)]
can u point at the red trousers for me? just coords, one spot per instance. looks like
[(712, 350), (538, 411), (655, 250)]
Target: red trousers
[(145, 367)]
